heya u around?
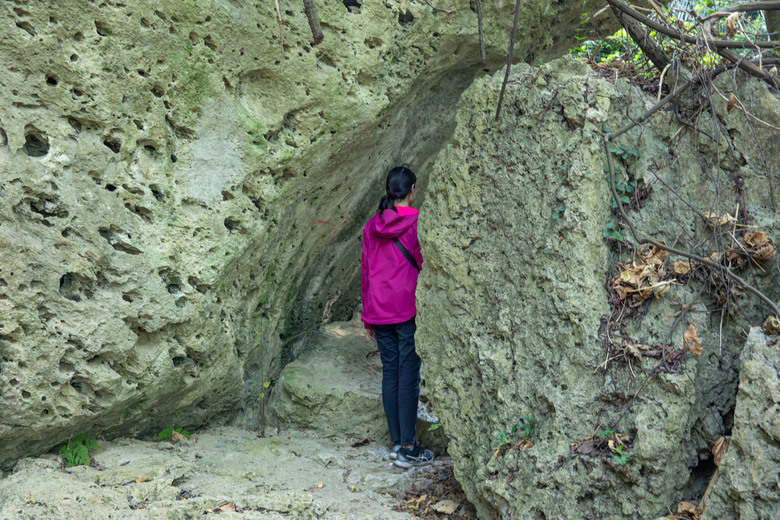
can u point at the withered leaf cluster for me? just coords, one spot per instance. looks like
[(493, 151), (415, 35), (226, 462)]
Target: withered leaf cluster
[(642, 277)]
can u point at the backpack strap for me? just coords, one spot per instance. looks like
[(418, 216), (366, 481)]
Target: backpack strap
[(407, 254)]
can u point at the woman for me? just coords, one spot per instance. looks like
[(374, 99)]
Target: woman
[(391, 263)]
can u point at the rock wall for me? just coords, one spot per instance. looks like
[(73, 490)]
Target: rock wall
[(514, 315), (747, 481), (180, 190)]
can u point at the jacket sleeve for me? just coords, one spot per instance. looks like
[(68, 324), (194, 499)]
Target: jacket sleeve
[(364, 273)]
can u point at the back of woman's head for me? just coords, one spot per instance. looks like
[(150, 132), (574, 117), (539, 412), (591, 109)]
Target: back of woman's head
[(400, 181)]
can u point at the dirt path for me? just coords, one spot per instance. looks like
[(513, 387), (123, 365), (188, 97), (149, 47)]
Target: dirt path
[(225, 471)]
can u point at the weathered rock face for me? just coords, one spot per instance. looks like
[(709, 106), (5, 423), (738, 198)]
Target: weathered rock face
[(747, 485), (334, 389), (173, 200), (513, 308)]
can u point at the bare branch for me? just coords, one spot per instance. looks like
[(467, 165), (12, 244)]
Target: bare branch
[(438, 9), (314, 21), (509, 57), (481, 31)]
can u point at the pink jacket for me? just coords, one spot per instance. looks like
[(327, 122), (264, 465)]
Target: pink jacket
[(389, 280)]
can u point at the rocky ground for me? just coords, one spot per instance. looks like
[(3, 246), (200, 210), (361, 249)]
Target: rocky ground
[(232, 473)]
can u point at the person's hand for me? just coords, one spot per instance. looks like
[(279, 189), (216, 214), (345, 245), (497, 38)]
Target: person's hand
[(371, 334)]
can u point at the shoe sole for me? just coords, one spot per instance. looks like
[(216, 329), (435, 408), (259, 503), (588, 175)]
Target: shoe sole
[(412, 463)]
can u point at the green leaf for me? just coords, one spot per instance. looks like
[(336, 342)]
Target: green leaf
[(617, 236), (624, 199), (610, 225), (604, 433), (266, 384)]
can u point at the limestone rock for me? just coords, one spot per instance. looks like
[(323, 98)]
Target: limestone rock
[(750, 471), (269, 478), (178, 189), (513, 312), (334, 389)]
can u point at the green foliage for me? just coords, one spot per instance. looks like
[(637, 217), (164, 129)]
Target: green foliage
[(610, 232), (620, 456), (266, 384), (558, 211), (625, 153), (76, 451), (434, 426), (524, 427), (168, 433)]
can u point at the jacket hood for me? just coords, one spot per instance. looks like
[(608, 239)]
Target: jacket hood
[(390, 224)]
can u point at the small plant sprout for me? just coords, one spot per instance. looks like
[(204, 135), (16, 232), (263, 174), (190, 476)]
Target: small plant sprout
[(76, 451), (523, 429), (557, 211), (611, 232), (168, 433), (526, 425), (266, 384), (434, 426)]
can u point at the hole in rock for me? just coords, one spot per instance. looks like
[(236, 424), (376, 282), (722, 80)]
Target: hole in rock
[(35, 143), (51, 80), (26, 394), (181, 302), (112, 144), (173, 288), (406, 18), (75, 123), (78, 36), (3, 138), (73, 286), (102, 29), (174, 158), (74, 58), (110, 187), (231, 224), (27, 27), (158, 91), (76, 93), (208, 41), (349, 4), (43, 398), (48, 206), (157, 192)]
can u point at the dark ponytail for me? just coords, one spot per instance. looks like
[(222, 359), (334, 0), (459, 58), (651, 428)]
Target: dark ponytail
[(400, 181)]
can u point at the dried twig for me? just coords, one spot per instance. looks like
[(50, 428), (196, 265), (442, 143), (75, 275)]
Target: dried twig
[(438, 9), (509, 57), (281, 31), (481, 31)]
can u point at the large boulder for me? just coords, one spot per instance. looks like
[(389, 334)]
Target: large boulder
[(514, 318), (334, 389), (747, 481), (181, 187)]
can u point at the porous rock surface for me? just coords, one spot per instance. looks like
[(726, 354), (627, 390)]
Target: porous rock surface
[(334, 389), (179, 188), (749, 475), (513, 306), (290, 475)]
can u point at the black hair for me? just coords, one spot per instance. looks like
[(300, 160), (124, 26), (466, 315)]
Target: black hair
[(399, 183)]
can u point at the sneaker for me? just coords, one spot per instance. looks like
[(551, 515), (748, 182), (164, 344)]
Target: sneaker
[(394, 451), (414, 456)]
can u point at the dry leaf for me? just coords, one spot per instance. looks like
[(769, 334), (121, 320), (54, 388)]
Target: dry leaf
[(140, 480), (446, 507), (227, 507), (731, 25), (691, 340), (719, 450), (732, 102), (756, 239), (721, 221), (682, 267), (178, 437), (772, 326), (689, 509), (361, 442), (320, 484)]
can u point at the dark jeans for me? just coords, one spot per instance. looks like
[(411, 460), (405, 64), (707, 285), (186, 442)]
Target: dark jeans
[(400, 379)]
